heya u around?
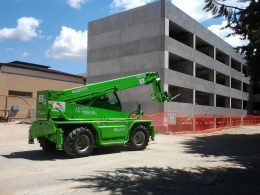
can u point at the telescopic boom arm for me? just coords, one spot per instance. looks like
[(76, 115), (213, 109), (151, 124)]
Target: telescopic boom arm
[(96, 90)]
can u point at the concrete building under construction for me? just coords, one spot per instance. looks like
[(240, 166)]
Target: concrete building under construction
[(192, 61)]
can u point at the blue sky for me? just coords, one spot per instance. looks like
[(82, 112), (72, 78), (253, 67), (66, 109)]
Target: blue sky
[(54, 32)]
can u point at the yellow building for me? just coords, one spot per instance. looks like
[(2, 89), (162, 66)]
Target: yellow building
[(19, 82)]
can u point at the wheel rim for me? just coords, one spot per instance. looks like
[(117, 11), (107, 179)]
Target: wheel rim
[(82, 143), (139, 138)]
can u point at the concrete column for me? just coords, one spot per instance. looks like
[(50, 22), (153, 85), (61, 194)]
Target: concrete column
[(214, 56), (166, 87), (166, 26), (214, 76), (166, 59), (194, 41), (194, 69)]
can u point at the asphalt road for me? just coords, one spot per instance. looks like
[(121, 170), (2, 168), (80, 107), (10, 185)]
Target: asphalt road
[(226, 162)]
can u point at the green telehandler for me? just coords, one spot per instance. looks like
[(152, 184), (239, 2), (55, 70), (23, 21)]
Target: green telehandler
[(78, 119)]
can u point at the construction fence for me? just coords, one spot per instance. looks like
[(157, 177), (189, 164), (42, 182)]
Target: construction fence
[(170, 122)]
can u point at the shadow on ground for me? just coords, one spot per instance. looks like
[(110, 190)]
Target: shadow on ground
[(39, 155), (36, 155), (240, 149)]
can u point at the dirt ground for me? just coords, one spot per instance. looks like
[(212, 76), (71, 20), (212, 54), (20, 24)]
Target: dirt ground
[(226, 162)]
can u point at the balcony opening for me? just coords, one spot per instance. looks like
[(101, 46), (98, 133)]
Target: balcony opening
[(245, 70), (222, 79), (235, 65), (180, 34), (186, 95), (245, 87), (222, 57), (222, 101), (235, 84), (203, 98), (245, 105), (180, 64), (236, 103), (204, 47), (256, 107), (204, 73), (256, 87)]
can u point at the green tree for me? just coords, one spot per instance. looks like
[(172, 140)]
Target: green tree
[(244, 21)]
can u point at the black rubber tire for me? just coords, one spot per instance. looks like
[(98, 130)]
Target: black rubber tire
[(47, 145), (139, 138), (73, 143)]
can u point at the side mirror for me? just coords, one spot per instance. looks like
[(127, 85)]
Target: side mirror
[(139, 111)]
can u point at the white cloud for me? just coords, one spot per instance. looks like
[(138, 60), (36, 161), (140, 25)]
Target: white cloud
[(127, 4), (193, 8), (10, 49), (222, 33), (76, 3), (25, 54), (25, 30), (69, 44)]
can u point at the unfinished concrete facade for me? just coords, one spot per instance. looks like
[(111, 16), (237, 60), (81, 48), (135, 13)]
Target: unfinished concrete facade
[(192, 61)]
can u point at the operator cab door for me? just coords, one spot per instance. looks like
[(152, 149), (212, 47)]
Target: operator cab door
[(114, 128)]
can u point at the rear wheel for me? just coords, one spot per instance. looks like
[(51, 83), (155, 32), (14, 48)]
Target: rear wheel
[(47, 145), (139, 138), (79, 142)]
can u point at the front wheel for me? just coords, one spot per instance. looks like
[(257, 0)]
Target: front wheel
[(79, 143), (139, 138)]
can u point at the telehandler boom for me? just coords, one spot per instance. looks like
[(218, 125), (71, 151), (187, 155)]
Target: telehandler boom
[(75, 120)]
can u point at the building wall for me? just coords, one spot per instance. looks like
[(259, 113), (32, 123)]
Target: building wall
[(19, 80), (176, 78), (141, 40), (124, 44)]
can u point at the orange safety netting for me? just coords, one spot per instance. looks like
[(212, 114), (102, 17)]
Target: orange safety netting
[(171, 122)]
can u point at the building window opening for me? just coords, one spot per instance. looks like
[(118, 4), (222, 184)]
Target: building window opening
[(236, 103), (235, 84), (203, 98), (204, 73), (235, 65), (186, 95), (178, 33), (245, 70), (180, 64), (20, 93), (222, 79), (245, 87), (245, 105), (222, 57), (222, 101), (204, 47)]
